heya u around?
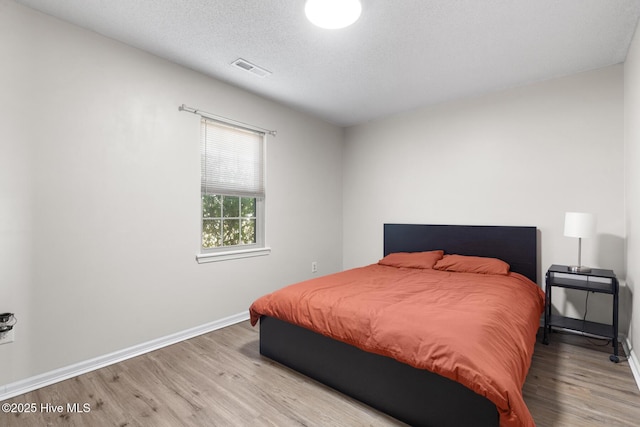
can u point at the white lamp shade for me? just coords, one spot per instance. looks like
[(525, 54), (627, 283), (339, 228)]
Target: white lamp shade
[(579, 224), (333, 14)]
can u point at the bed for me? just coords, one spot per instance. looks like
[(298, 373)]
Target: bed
[(387, 379)]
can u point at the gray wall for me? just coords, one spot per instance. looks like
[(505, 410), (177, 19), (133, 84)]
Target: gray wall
[(100, 196), (524, 156), (632, 190)]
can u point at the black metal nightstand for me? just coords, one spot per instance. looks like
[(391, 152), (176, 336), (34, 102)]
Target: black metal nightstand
[(597, 280)]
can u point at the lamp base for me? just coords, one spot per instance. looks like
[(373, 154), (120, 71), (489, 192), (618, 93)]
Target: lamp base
[(579, 269)]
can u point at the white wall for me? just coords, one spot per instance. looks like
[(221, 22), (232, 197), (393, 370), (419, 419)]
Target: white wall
[(99, 196), (632, 184), (524, 156)]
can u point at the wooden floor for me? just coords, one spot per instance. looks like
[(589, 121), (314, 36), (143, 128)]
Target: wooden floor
[(220, 379), (571, 382)]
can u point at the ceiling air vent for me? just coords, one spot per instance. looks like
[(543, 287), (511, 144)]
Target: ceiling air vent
[(248, 66)]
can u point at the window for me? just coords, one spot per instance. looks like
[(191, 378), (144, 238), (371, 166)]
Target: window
[(228, 221), (232, 191)]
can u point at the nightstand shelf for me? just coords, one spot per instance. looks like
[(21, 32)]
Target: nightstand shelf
[(597, 280), (580, 285), (593, 328)]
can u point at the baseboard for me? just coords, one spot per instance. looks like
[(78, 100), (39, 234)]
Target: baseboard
[(632, 358), (29, 384)]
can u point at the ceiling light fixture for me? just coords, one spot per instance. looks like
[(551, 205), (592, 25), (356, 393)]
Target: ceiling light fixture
[(333, 14)]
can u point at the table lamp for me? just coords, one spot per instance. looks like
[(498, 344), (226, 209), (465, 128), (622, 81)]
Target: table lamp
[(580, 225)]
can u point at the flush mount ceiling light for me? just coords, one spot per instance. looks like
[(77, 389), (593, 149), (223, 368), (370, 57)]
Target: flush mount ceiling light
[(333, 14)]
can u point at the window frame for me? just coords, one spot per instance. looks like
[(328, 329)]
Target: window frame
[(259, 248), (223, 216)]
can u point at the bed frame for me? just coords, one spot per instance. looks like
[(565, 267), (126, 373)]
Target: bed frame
[(415, 396)]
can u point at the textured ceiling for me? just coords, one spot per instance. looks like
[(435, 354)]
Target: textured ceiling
[(399, 55)]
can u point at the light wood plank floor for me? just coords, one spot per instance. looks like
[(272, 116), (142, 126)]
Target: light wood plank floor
[(220, 379)]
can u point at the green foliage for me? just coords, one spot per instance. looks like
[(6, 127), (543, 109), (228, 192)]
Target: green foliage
[(211, 206), (228, 220)]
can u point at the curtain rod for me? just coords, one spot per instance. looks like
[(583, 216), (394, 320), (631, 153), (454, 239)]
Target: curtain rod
[(226, 120)]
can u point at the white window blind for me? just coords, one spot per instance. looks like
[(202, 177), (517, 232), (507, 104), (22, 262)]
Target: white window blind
[(232, 161)]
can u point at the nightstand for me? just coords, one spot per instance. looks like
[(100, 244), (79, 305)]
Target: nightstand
[(597, 280)]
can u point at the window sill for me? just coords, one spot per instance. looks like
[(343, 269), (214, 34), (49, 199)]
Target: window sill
[(224, 256)]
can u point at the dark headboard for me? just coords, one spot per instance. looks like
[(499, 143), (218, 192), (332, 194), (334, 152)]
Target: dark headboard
[(517, 246)]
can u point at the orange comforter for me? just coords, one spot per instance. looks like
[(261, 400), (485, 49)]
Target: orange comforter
[(476, 329)]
